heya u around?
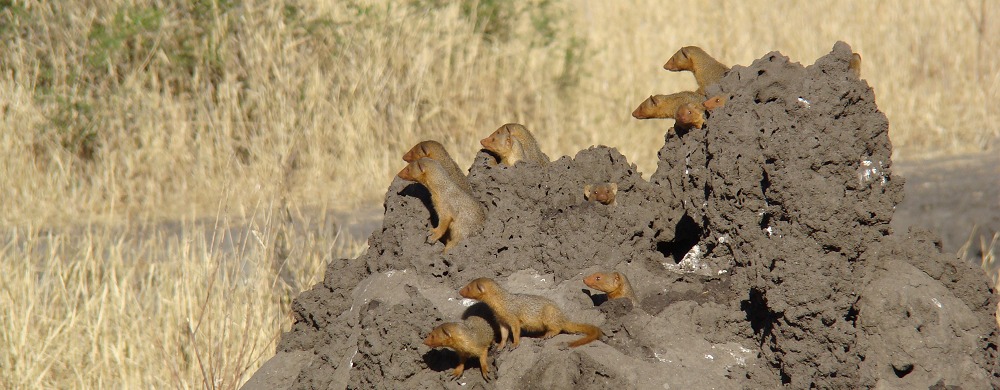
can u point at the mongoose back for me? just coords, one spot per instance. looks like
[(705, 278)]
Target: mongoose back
[(689, 116), (603, 193), (855, 64), (435, 151), (714, 102), (458, 212), (533, 313), (513, 142), (614, 284), (665, 106), (707, 70), (470, 338)]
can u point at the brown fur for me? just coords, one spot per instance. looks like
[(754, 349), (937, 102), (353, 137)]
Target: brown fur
[(470, 338), (458, 212), (435, 151), (614, 284), (512, 143), (603, 193), (707, 70), (855, 65), (689, 116), (714, 102), (533, 313), (665, 106)]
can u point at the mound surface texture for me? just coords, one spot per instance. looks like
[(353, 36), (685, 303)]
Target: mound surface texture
[(760, 251)]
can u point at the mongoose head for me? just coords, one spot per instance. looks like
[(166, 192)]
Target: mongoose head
[(479, 288), (683, 59), (441, 335), (603, 193), (501, 142), (690, 115), (855, 64), (714, 102), (419, 170), (600, 280), (430, 149), (652, 107)]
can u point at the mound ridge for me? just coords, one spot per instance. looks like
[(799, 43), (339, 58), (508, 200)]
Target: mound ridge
[(760, 250)]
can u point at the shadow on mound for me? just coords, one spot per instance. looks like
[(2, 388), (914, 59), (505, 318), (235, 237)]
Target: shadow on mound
[(760, 250)]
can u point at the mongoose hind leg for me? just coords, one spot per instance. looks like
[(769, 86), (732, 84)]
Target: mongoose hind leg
[(503, 337), (442, 227), (483, 366)]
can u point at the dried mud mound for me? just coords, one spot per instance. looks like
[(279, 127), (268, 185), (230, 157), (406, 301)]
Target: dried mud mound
[(760, 250)]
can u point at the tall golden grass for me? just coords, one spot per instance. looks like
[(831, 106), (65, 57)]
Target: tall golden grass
[(116, 115)]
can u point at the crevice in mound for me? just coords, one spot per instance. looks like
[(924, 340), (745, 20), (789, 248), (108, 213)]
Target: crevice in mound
[(761, 318), (686, 236)]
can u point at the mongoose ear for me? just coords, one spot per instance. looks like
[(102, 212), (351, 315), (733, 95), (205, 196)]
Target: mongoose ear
[(684, 52), (652, 100), (618, 278), (586, 191), (614, 188)]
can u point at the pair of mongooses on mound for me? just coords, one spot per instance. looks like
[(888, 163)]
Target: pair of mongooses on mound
[(459, 213), (516, 312), (686, 108)]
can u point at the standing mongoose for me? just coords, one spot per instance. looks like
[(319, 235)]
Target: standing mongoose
[(707, 70), (458, 212), (603, 193), (470, 338), (689, 116), (714, 102), (533, 313), (615, 284), (855, 64), (665, 106), (435, 151), (513, 142)]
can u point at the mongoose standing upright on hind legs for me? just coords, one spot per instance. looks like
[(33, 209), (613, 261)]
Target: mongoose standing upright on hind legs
[(614, 284), (513, 142), (707, 70), (458, 212), (435, 151), (470, 338), (533, 313)]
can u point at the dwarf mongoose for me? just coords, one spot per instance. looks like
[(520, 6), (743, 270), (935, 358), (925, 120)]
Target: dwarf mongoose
[(614, 284), (435, 151), (665, 106), (714, 102), (458, 212), (689, 116), (707, 70), (603, 193), (513, 142), (855, 65), (533, 313), (470, 338)]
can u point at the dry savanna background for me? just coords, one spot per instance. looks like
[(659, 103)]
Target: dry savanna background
[(174, 172)]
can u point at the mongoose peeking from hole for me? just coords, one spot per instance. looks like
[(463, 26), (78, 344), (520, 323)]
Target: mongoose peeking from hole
[(707, 70), (614, 284), (435, 151), (855, 65), (459, 214), (470, 338), (513, 142), (532, 313), (665, 106), (603, 193), (689, 116), (714, 102)]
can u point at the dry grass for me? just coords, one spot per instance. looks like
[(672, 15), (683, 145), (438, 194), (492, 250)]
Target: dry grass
[(116, 114)]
